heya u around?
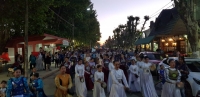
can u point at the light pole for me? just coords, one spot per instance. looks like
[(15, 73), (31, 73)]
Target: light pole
[(88, 9), (73, 36)]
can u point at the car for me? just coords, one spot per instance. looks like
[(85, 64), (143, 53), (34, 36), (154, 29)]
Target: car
[(192, 85), (154, 58)]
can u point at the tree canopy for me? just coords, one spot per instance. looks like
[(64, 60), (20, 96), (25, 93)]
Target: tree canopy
[(55, 17)]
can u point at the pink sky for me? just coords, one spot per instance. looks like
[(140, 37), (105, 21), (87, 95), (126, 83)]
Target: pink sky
[(111, 13)]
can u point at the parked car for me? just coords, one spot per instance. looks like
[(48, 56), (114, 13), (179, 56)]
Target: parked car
[(154, 58), (193, 81)]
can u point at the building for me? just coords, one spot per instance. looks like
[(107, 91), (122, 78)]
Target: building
[(167, 33), (46, 41)]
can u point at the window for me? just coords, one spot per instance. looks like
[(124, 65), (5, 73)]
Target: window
[(193, 66)]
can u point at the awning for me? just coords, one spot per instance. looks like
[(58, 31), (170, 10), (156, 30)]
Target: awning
[(144, 40)]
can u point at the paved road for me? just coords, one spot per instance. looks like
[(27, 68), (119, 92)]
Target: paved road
[(49, 88)]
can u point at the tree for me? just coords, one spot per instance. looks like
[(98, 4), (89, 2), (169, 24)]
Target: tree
[(188, 13), (45, 17), (13, 21)]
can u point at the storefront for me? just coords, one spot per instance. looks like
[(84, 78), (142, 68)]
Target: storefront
[(168, 33)]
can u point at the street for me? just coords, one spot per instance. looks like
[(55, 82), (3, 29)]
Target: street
[(49, 88)]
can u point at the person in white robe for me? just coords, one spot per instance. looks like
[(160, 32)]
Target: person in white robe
[(109, 83), (117, 88), (139, 63), (80, 85), (99, 78), (172, 76), (134, 80), (147, 83), (39, 62)]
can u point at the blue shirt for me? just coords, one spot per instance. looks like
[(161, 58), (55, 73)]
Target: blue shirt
[(16, 86)]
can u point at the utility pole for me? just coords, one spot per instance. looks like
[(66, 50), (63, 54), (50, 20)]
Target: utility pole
[(26, 42), (73, 36)]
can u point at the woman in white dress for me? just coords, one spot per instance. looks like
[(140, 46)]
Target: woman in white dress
[(81, 89), (147, 84), (139, 63), (117, 88), (111, 67), (172, 77), (99, 78), (134, 80), (87, 57)]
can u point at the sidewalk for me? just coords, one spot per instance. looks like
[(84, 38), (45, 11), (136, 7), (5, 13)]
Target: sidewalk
[(43, 74)]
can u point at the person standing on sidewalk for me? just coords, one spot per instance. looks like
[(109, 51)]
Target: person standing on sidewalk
[(56, 56), (32, 60), (48, 61)]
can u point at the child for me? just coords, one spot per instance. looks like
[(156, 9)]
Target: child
[(37, 86), (161, 73), (99, 78), (134, 80), (32, 73), (3, 88)]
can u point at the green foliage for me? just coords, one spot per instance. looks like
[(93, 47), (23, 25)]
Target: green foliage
[(43, 19), (126, 35)]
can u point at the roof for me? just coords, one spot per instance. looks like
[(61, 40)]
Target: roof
[(165, 22), (144, 40)]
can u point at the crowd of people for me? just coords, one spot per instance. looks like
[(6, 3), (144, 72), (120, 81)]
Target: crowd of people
[(112, 72)]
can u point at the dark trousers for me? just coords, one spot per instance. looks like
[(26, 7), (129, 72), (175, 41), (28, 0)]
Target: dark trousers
[(56, 63), (32, 65)]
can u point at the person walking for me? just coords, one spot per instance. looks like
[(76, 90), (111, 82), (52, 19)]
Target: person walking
[(17, 86), (173, 78), (81, 89), (134, 80), (147, 83), (99, 79), (32, 60), (63, 82), (117, 88)]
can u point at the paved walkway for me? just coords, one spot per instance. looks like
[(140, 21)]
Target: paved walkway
[(43, 74)]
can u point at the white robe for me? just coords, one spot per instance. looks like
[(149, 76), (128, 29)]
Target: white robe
[(109, 83), (81, 89), (134, 83), (87, 59), (147, 83), (140, 65), (98, 90), (170, 89), (117, 88), (39, 63)]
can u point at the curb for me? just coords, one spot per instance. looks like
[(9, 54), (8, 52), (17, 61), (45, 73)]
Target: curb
[(49, 74)]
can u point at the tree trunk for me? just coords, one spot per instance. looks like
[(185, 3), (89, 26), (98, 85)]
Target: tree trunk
[(26, 41)]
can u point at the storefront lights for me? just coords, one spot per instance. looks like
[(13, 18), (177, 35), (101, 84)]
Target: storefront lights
[(170, 39), (163, 40), (173, 44)]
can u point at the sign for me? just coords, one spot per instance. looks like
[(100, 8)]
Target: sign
[(65, 42)]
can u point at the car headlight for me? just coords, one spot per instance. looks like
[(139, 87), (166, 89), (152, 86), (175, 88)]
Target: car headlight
[(198, 94), (197, 81)]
